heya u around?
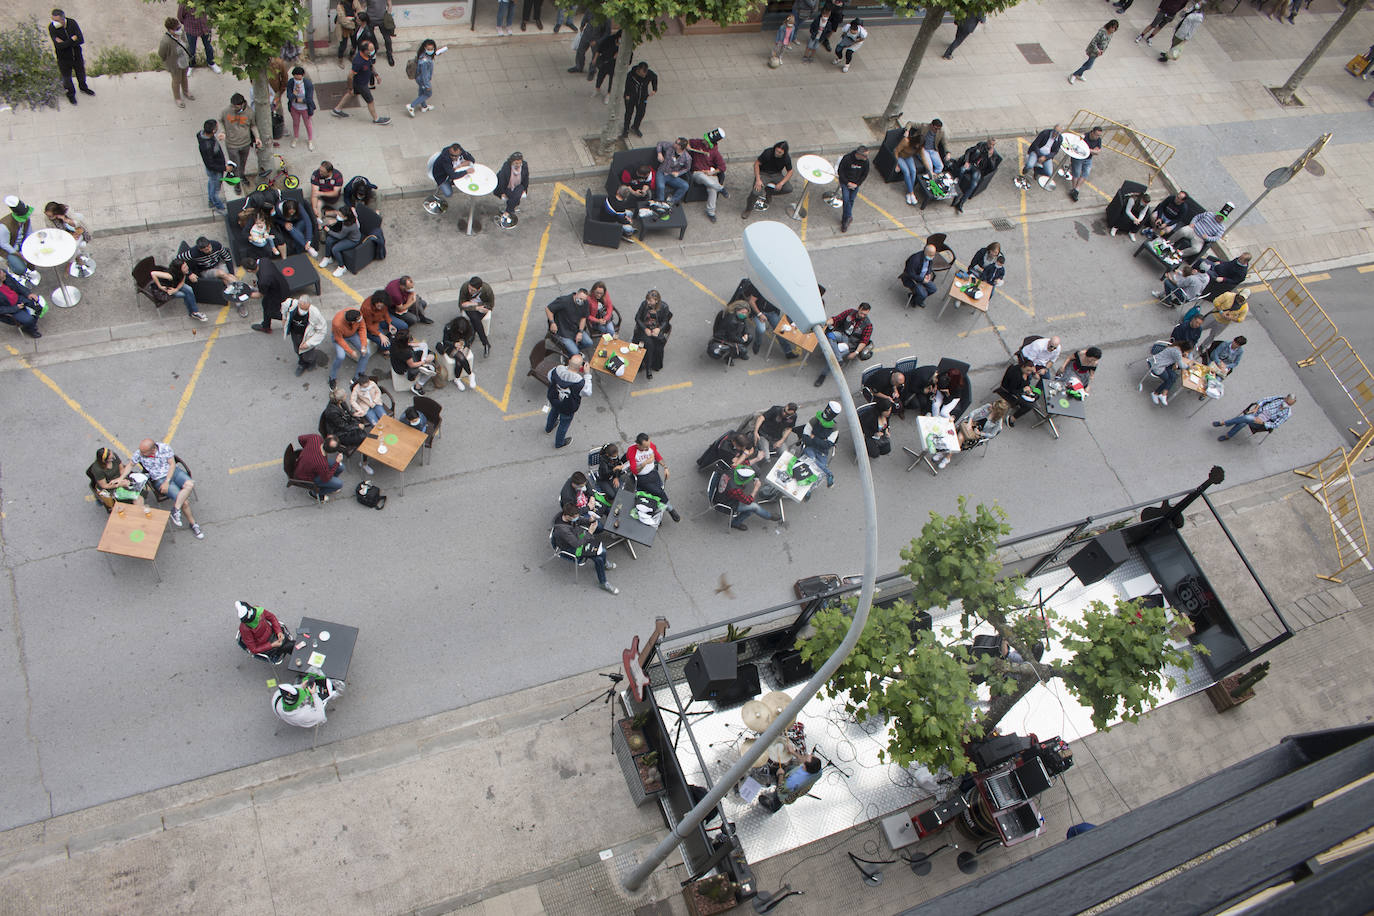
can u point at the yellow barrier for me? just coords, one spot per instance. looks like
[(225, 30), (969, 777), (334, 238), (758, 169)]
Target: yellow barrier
[(1125, 140), (1336, 493), (1352, 375), (1292, 296)]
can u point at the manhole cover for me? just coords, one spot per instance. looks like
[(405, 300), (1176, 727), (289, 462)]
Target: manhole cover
[(1034, 54), (1001, 225)]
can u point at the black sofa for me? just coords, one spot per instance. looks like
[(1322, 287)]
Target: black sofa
[(645, 155)]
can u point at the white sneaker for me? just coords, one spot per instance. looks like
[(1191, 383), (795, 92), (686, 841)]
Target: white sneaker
[(1154, 396), (294, 141), (845, 68), (461, 386), (1113, 232), (366, 468), (325, 262), (608, 587), (1164, 399), (1083, 78), (1132, 236), (410, 111), (216, 68), (340, 271), (310, 145), (311, 251), (1072, 78), (426, 107)]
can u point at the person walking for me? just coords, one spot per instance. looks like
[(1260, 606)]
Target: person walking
[(197, 25), (962, 31), (66, 43), (639, 86), (606, 51), (239, 131), (1182, 33), (852, 171), (1168, 9), (568, 385), (364, 78), (176, 59), (589, 34), (1096, 48), (424, 75)]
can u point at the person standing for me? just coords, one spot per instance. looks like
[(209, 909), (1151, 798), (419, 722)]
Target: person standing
[(962, 31), (66, 43), (1182, 32), (303, 324), (606, 50), (176, 59), (197, 25), (1080, 169), (568, 385), (639, 86), (1096, 48), (852, 171), (424, 76), (817, 31), (300, 96), (589, 35), (782, 41), (532, 10), (380, 15), (1168, 9), (239, 131)]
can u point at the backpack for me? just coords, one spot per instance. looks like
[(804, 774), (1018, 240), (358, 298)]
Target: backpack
[(410, 69), (370, 495)]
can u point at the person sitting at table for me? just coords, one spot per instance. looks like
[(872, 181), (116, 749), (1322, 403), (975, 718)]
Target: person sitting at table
[(1230, 307), (908, 148), (452, 163), (1018, 386), (948, 400), (365, 401), (1226, 354), (261, 633), (887, 387), (600, 311), (1080, 367), (653, 326), (1166, 365), (578, 491), (319, 464), (303, 704), (1169, 214), (1042, 353), (766, 315), (918, 275), (1228, 275), (874, 422), (112, 481), (512, 183), (978, 161), (740, 489), (297, 226), (724, 449), (1269, 413), (567, 317), (642, 183), (1181, 285), (730, 332), (159, 462), (650, 471), (1189, 330), (412, 360), (981, 424), (818, 438), (610, 469), (344, 427), (850, 334), (579, 541), (1132, 216), (989, 265), (623, 208)]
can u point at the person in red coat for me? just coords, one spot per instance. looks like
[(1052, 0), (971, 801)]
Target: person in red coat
[(261, 632), (319, 465)]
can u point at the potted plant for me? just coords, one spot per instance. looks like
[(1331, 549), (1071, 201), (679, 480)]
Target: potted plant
[(649, 776), (633, 731), (1235, 689), (715, 894)]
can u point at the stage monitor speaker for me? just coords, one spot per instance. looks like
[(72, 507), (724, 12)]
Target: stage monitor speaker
[(788, 667), (745, 686), (712, 668), (1102, 554)]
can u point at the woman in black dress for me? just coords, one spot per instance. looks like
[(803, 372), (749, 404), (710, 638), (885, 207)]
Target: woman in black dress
[(653, 325)]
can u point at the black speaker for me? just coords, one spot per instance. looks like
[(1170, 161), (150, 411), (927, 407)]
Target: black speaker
[(788, 667), (712, 668), (745, 686), (1102, 554)]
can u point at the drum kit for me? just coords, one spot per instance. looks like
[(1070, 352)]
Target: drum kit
[(757, 715)]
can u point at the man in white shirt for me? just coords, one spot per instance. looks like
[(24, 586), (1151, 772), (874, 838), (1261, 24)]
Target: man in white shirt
[(303, 704), (1042, 353)]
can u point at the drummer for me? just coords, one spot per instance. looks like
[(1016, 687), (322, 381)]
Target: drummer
[(1080, 169)]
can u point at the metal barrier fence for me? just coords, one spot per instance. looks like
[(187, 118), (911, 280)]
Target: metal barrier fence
[(1335, 490), (1125, 140), (1293, 297), (1352, 375)]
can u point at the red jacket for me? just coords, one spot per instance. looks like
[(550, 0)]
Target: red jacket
[(704, 157), (312, 464), (342, 329), (261, 639)]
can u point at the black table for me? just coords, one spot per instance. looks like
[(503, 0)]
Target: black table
[(631, 530), (677, 219), (299, 273), (337, 649), (1061, 404)]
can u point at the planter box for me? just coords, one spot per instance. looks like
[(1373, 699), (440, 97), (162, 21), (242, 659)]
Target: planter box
[(698, 905), (1220, 694), (629, 765), (754, 23)]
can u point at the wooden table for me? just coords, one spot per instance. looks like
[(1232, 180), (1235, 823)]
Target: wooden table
[(943, 429), (958, 296), (400, 441), (131, 533), (806, 341), (1194, 378), (605, 349)]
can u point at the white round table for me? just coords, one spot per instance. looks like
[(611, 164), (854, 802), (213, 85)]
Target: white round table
[(815, 170), (480, 182), (1074, 147), (53, 248)]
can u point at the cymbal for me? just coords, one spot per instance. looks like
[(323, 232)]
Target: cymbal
[(776, 700), (777, 752), (757, 715)]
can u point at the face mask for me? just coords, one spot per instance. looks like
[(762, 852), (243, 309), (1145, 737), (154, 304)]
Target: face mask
[(57, 24), (429, 53)]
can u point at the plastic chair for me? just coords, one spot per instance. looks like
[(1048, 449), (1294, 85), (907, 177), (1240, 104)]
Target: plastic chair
[(864, 388), (288, 466), (143, 275), (560, 554), (432, 411), (1156, 347), (944, 255)]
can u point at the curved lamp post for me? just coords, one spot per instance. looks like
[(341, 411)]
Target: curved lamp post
[(780, 267)]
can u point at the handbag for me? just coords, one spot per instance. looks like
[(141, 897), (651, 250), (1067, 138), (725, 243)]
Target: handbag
[(389, 23)]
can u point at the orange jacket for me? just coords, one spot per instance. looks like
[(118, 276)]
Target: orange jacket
[(374, 313), (343, 329)]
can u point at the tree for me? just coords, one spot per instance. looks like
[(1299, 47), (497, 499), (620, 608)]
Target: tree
[(1285, 92), (641, 20), (929, 689), (28, 70), (934, 15), (248, 35)]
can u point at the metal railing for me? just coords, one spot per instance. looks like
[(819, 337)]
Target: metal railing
[(1292, 295), (1125, 140), (1352, 375), (1335, 490)]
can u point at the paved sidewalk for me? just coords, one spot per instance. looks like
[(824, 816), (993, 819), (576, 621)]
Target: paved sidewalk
[(511, 806)]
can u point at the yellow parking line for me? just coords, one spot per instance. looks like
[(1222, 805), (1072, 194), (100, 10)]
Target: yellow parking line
[(896, 346), (1029, 307), (1315, 278), (660, 388), (1136, 305), (1066, 317), (256, 467), (895, 221), (771, 369), (195, 374), (678, 270), (1105, 195), (984, 330), (1365, 268), (69, 401), (347, 290), (523, 416)]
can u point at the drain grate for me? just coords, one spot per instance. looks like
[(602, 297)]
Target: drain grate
[(1001, 225), (1034, 54)]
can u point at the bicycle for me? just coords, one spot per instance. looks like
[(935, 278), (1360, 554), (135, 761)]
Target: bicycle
[(281, 172)]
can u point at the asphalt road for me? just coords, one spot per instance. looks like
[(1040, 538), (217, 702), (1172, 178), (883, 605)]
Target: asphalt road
[(115, 684)]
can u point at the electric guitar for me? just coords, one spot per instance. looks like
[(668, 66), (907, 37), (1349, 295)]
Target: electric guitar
[(1215, 476), (634, 660)]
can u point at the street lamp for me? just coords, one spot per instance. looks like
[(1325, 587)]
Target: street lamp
[(781, 269)]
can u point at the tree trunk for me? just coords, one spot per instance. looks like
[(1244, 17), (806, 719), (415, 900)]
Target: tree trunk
[(1002, 705), (934, 15), (1285, 92), (610, 129), (262, 113)]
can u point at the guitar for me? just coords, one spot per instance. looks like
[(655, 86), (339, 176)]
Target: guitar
[(634, 660), (1215, 476)]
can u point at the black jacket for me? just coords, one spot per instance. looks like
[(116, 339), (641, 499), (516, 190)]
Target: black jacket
[(342, 425), (1044, 137), (444, 166), (637, 87), (503, 179), (67, 41), (211, 153), (606, 51), (852, 169)]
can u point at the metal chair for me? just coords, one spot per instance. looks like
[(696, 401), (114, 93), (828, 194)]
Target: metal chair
[(161, 497), (432, 411), (715, 499), (1156, 347), (567, 555), (864, 388), (288, 466), (274, 663)]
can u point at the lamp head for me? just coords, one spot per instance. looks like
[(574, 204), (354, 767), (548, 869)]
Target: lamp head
[(781, 269)]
